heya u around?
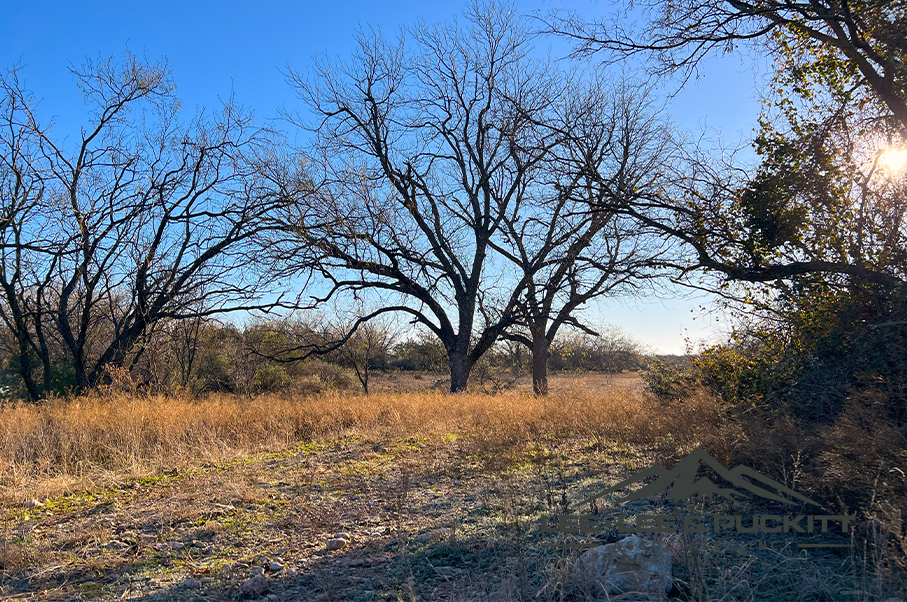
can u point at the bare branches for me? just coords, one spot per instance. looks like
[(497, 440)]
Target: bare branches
[(569, 248), (868, 36), (146, 218), (421, 152)]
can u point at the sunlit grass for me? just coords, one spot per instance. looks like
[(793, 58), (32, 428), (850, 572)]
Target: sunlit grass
[(66, 445)]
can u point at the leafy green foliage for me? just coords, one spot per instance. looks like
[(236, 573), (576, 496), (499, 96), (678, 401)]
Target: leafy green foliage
[(830, 346)]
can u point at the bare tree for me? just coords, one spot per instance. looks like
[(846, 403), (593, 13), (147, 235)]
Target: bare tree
[(572, 248), (369, 345), (29, 253), (147, 218), (420, 154)]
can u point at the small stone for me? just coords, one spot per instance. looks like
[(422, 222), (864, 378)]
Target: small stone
[(176, 545), (334, 544), (33, 503), (447, 571), (275, 567), (256, 586), (272, 597), (191, 583), (199, 544), (436, 534)]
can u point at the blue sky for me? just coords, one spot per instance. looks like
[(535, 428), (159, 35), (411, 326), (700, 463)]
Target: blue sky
[(243, 47)]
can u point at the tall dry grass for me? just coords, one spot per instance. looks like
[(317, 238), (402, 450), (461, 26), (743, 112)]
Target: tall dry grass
[(91, 441)]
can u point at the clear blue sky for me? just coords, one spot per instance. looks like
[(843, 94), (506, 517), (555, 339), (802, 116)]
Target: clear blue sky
[(243, 47)]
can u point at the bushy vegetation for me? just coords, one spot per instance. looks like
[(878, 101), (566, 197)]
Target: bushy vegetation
[(820, 397), (207, 357), (612, 351)]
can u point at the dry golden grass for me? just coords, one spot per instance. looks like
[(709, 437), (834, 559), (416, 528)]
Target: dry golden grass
[(420, 479), (64, 445)]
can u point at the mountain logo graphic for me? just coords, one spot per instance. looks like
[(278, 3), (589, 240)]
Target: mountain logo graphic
[(683, 482)]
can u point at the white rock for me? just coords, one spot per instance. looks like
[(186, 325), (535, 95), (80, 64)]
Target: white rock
[(630, 565), (275, 566)]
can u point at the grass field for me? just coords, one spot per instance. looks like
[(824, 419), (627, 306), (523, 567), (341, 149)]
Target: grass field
[(438, 497)]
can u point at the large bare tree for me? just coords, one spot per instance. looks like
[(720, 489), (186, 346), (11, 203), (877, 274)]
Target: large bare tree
[(422, 151), (146, 217)]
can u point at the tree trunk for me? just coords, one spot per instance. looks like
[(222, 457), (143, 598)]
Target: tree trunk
[(25, 372), (540, 364), (459, 372)]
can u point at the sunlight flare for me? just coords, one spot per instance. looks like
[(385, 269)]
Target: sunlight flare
[(893, 159)]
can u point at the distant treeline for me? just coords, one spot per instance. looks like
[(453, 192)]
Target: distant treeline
[(205, 356)]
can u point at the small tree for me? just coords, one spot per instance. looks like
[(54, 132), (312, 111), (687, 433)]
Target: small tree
[(367, 348)]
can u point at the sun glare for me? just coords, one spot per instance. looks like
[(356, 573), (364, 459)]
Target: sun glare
[(894, 159)]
